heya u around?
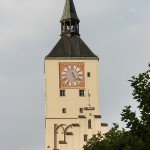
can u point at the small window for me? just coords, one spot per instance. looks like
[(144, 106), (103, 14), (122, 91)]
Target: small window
[(81, 92), (62, 92), (85, 137), (81, 110), (89, 124), (94, 136), (88, 74), (64, 110)]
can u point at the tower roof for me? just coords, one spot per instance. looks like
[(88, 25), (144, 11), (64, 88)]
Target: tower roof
[(69, 11), (71, 47), (70, 44)]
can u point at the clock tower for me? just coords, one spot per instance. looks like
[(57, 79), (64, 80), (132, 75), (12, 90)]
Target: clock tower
[(72, 89)]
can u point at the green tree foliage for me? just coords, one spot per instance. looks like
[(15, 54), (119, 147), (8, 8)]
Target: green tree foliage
[(137, 137), (115, 139)]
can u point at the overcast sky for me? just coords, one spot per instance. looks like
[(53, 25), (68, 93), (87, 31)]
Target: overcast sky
[(118, 31)]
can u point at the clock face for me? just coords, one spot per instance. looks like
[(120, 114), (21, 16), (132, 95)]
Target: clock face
[(71, 75)]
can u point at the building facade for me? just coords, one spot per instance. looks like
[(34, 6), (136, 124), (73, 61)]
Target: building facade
[(72, 89)]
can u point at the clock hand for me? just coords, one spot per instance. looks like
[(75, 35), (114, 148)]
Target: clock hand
[(73, 76)]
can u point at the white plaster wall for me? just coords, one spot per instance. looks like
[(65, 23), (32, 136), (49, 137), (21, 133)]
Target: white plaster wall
[(72, 102)]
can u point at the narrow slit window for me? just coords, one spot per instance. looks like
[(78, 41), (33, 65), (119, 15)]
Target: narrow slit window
[(89, 124), (85, 137)]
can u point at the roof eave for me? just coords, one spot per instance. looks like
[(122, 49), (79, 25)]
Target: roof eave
[(71, 58)]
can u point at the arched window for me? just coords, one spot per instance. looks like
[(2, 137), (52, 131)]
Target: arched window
[(67, 23), (63, 27), (72, 26), (89, 124)]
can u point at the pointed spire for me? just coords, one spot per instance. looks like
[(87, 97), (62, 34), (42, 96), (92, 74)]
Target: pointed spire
[(69, 20), (69, 11), (71, 45)]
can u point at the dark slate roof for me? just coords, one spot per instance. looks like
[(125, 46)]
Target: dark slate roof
[(69, 11), (72, 46)]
